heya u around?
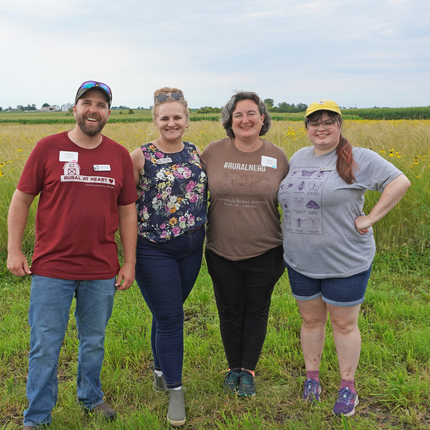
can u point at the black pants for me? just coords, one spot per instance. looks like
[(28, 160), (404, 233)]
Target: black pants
[(243, 290)]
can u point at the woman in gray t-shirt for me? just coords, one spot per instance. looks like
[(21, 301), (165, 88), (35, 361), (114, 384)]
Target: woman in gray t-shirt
[(328, 240)]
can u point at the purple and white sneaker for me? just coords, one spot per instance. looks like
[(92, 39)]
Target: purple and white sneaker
[(312, 391), (346, 402)]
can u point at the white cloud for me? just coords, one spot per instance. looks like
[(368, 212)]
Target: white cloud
[(367, 52), (42, 8)]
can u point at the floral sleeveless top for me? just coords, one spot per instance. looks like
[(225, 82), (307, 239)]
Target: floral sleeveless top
[(172, 193)]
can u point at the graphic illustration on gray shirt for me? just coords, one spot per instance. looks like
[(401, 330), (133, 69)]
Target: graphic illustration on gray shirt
[(301, 200)]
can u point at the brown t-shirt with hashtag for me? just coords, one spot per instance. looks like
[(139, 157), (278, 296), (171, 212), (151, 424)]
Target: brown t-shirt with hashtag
[(243, 218)]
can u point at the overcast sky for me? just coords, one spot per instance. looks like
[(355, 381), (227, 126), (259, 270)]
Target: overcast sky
[(359, 53)]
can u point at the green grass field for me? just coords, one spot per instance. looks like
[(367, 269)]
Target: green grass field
[(393, 377)]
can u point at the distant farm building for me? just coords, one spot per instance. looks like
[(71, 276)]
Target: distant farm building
[(52, 108)]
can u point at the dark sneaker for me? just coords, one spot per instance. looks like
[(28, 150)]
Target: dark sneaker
[(246, 384), (159, 383), (311, 391), (176, 413), (346, 402), (102, 410), (231, 382)]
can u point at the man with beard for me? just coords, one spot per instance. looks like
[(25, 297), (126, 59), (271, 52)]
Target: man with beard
[(86, 187)]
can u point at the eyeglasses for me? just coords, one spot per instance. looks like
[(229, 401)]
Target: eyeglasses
[(91, 84), (327, 124), (164, 97)]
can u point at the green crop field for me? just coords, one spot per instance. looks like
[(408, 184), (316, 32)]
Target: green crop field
[(393, 377), (139, 115)]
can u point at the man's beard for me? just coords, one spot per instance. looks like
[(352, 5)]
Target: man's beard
[(89, 130)]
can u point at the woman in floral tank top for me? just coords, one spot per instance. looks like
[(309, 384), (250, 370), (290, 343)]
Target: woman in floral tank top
[(172, 193), (171, 206)]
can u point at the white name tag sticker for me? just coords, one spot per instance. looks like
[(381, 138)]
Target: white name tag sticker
[(101, 167), (164, 160), (327, 168), (68, 156), (269, 162)]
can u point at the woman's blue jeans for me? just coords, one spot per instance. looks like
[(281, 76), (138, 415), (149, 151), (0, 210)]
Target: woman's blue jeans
[(166, 273), (48, 316)]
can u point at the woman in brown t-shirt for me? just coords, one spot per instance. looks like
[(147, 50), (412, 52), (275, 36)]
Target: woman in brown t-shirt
[(244, 239)]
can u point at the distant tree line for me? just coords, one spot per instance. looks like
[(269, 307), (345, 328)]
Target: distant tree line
[(209, 109), (28, 107), (21, 107), (282, 107)]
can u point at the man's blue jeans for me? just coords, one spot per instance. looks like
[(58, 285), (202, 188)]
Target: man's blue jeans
[(48, 316)]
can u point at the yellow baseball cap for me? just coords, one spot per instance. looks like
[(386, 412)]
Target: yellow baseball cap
[(323, 105)]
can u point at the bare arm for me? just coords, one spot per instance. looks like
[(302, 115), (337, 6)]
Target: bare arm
[(128, 234), (391, 195), (17, 220), (138, 163)]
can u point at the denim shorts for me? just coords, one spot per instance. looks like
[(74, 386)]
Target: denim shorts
[(343, 292)]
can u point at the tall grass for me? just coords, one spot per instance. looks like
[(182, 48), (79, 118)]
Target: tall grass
[(404, 143), (393, 377)]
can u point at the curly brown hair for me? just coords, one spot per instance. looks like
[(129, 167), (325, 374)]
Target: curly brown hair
[(228, 109)]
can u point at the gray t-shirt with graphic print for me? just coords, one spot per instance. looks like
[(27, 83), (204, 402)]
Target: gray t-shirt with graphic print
[(319, 211)]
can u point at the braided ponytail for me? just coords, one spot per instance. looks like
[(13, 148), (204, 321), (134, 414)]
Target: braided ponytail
[(345, 163)]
